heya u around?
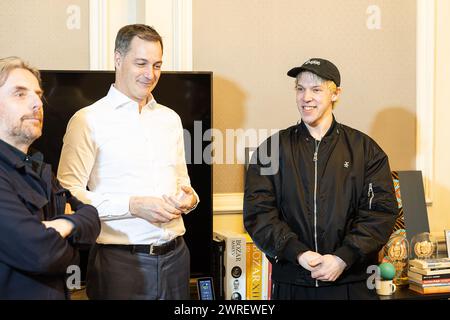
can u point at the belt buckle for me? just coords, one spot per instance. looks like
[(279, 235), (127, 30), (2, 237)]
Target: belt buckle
[(152, 250)]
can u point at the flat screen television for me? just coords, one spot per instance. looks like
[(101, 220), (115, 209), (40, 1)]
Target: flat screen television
[(188, 93)]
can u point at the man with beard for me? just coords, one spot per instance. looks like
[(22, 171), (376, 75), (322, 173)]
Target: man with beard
[(37, 238)]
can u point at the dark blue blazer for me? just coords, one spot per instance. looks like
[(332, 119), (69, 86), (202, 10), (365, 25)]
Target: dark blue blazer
[(34, 259)]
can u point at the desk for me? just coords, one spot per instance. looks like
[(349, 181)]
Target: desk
[(403, 293)]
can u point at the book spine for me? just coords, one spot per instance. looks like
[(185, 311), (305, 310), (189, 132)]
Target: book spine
[(248, 262), (219, 268), (430, 284), (435, 266), (269, 279), (429, 264), (254, 272), (423, 277), (429, 271), (442, 289), (265, 278)]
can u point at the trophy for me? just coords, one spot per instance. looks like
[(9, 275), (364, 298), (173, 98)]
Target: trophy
[(396, 252), (423, 246)]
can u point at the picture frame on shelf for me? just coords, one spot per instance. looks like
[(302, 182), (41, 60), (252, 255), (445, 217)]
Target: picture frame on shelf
[(447, 241)]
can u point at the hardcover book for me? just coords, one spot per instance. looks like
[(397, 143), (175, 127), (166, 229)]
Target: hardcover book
[(235, 264), (430, 271), (442, 263), (422, 277), (428, 290), (254, 271)]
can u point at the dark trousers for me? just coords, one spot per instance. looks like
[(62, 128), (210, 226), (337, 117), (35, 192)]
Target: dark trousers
[(114, 273), (347, 291)]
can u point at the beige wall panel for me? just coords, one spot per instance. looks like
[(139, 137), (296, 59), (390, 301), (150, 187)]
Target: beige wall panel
[(250, 45), (50, 34)]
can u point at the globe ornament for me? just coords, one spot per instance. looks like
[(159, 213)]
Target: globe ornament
[(387, 271), (423, 246)]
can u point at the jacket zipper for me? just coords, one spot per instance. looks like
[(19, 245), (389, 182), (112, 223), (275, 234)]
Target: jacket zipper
[(370, 195), (317, 144)]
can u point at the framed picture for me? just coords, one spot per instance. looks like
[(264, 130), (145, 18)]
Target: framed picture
[(447, 241)]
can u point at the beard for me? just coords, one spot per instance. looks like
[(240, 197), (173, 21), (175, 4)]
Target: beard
[(26, 131)]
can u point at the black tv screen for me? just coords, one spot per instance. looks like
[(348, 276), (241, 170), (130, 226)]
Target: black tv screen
[(188, 93)]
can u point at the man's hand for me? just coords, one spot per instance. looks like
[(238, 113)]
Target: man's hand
[(153, 209), (304, 259), (63, 226), (184, 200), (327, 267)]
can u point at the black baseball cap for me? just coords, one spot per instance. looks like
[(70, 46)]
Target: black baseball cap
[(323, 68)]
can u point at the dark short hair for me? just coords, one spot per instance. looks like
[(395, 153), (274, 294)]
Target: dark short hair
[(8, 64), (127, 33)]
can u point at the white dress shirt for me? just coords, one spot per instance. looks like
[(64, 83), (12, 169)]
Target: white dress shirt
[(117, 153)]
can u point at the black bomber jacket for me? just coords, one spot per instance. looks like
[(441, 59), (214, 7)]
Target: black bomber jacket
[(333, 196)]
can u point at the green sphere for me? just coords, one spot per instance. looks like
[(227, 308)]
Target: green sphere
[(387, 271)]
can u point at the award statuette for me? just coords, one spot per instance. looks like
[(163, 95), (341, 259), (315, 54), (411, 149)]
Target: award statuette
[(396, 252), (423, 246)]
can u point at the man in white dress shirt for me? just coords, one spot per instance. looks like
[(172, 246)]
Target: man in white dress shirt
[(124, 154)]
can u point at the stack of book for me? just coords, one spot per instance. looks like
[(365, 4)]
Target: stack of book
[(429, 275)]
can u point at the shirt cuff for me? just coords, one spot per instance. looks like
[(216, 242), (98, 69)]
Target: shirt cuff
[(119, 208), (196, 203)]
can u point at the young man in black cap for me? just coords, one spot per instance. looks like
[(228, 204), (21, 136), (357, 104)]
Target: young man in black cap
[(322, 216)]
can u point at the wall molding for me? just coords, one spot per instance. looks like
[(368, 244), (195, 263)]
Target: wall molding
[(182, 38), (98, 34), (172, 19), (425, 92), (227, 203)]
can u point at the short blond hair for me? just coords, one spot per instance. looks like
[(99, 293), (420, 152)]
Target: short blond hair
[(330, 84), (8, 64)]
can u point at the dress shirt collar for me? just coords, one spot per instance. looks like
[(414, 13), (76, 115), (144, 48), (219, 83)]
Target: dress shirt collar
[(119, 99), (34, 159)]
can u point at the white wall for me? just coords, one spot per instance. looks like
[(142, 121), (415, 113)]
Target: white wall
[(439, 211)]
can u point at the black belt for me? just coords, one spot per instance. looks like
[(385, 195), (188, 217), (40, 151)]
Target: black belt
[(154, 250)]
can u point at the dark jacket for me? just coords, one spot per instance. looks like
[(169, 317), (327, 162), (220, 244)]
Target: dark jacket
[(33, 259), (342, 204)]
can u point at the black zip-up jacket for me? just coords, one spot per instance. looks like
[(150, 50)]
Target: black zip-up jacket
[(335, 197), (34, 259)]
